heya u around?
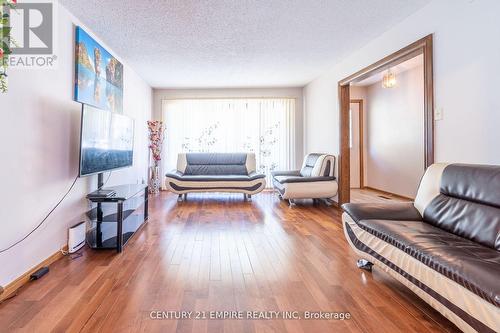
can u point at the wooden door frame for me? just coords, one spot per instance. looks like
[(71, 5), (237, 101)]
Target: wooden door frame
[(361, 142), (422, 46)]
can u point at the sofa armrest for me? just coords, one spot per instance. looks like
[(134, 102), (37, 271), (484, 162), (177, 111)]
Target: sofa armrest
[(382, 211), (285, 173), (254, 175), (299, 179), (176, 174)]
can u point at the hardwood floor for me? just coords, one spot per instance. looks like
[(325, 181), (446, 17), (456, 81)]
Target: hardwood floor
[(368, 195), (219, 253)]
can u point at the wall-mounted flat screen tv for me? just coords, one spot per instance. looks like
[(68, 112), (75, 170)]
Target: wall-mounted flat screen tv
[(106, 141)]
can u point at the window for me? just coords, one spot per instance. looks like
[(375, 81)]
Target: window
[(262, 126)]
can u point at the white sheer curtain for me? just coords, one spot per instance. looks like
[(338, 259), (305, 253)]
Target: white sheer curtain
[(263, 126)]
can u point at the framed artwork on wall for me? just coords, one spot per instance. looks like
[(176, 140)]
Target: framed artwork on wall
[(98, 75)]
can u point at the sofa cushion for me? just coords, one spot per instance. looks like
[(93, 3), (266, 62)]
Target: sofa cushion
[(382, 211), (309, 163), (468, 204), (299, 179), (216, 158), (473, 266), (216, 164), (215, 178), (476, 222), (285, 173), (477, 183), (215, 170)]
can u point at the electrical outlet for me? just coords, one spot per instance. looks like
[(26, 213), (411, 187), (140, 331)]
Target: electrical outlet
[(438, 114)]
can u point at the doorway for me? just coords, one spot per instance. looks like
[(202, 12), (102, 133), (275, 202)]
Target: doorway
[(421, 47)]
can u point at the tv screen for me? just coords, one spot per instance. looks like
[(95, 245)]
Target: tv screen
[(106, 141)]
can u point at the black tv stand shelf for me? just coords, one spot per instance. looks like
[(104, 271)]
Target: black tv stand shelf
[(101, 193), (116, 218)]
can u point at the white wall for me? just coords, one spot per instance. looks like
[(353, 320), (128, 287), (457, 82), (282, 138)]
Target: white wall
[(395, 134), (465, 75), (39, 143), (161, 94)]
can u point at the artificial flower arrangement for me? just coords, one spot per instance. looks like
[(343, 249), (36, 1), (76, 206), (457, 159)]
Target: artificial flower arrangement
[(156, 131), (5, 40)]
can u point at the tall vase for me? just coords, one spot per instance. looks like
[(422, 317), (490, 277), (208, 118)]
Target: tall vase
[(154, 181)]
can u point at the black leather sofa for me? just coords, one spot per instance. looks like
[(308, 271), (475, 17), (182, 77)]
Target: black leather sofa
[(215, 172), (315, 180), (445, 246)]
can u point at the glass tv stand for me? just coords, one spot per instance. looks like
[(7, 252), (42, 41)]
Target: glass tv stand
[(115, 219)]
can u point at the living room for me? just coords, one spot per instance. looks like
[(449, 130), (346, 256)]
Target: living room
[(186, 166)]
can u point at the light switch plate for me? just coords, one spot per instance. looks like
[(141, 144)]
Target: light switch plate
[(438, 114)]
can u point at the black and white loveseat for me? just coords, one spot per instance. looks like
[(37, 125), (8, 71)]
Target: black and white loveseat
[(445, 246), (315, 180), (215, 172)]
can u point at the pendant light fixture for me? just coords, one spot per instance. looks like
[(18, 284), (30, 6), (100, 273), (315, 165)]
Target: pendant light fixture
[(389, 80)]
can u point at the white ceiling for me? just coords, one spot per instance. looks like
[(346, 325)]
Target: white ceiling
[(237, 43), (400, 68)]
